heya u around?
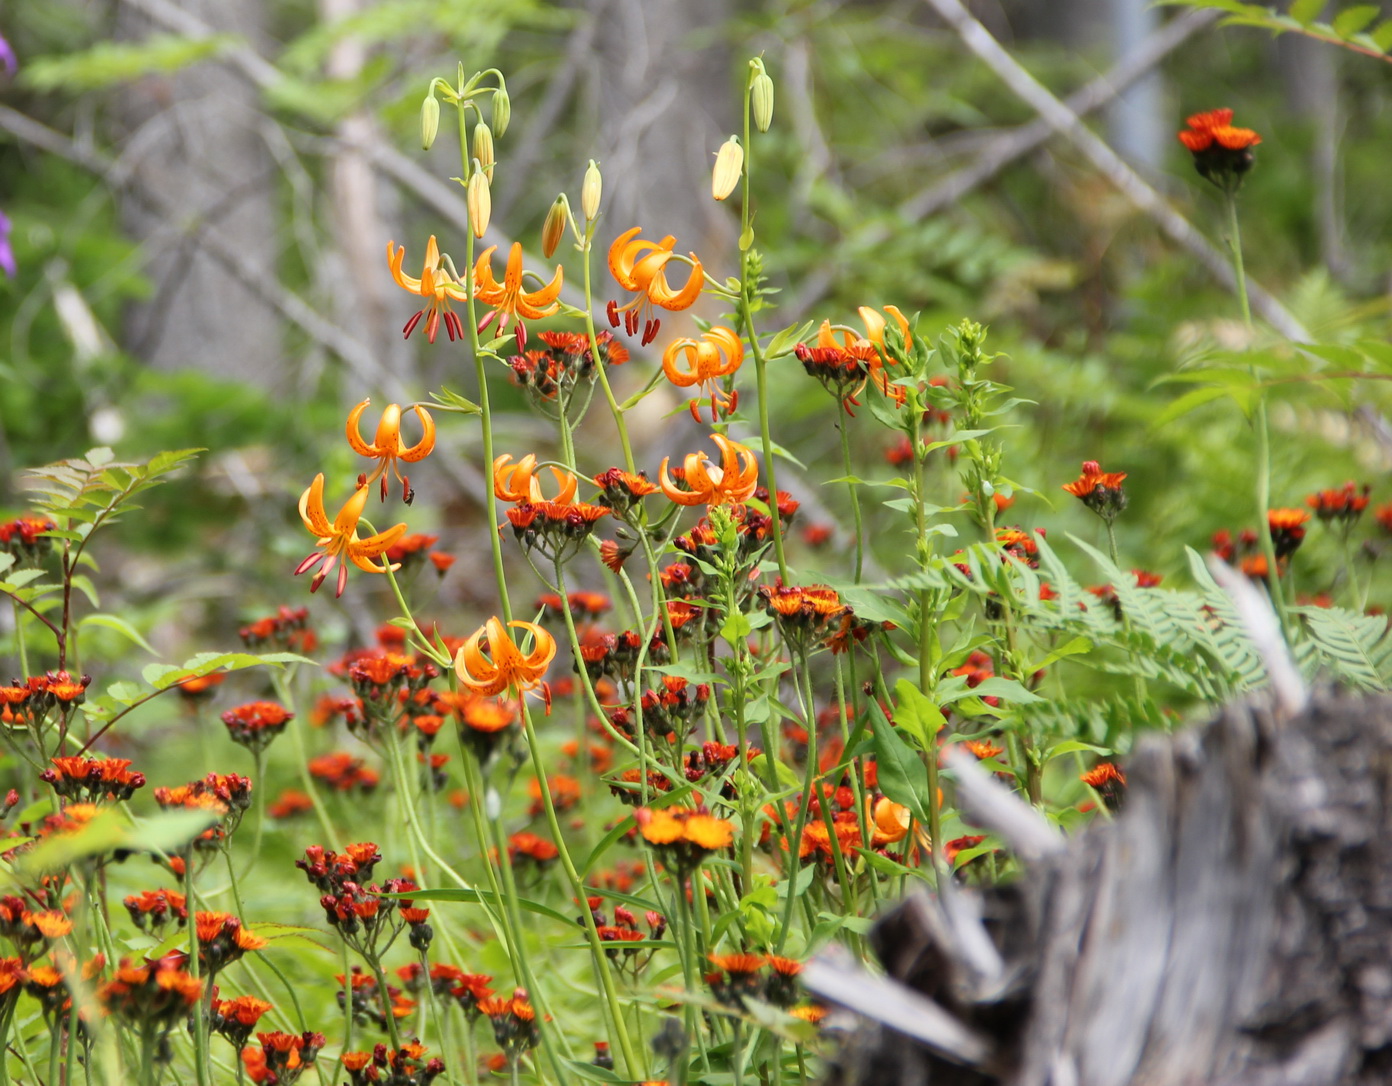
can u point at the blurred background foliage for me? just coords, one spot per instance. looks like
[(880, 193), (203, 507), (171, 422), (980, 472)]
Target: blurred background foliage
[(201, 194)]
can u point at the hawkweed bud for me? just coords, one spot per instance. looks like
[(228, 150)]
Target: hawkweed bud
[(502, 108), (483, 148), (479, 199), (729, 161), (761, 95), (430, 121), (590, 192), (553, 229)]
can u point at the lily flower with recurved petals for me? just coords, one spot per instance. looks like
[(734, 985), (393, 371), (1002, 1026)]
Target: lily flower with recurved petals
[(505, 667), (519, 483), (733, 482), (338, 541), (388, 447), (716, 355), (508, 299), (435, 285), (640, 266)]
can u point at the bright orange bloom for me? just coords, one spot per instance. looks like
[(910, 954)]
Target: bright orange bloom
[(387, 445), (1092, 477), (508, 299), (339, 542), (640, 266), (435, 285), (1215, 126), (506, 666), (875, 327), (519, 483), (717, 354), (733, 482), (846, 366)]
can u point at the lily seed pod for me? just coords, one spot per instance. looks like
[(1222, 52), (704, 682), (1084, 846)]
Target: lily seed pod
[(553, 229), (761, 96), (590, 192), (502, 108), (729, 162), (483, 148), (430, 121), (479, 199)]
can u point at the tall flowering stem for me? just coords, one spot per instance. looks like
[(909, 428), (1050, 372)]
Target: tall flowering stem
[(1262, 422), (748, 276)]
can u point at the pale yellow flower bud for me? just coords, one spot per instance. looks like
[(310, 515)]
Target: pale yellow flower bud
[(479, 200), (430, 121), (553, 229), (729, 162), (590, 192), (502, 108), (483, 148), (761, 95)]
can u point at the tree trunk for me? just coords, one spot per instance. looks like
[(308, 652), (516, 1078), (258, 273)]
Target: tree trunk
[(1231, 927)]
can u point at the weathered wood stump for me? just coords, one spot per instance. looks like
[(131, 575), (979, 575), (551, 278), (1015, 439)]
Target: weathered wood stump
[(1232, 926)]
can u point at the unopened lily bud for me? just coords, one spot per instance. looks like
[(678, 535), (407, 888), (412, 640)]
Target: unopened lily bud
[(553, 229), (483, 148), (479, 200), (430, 121), (729, 162), (761, 96), (590, 192), (502, 108)]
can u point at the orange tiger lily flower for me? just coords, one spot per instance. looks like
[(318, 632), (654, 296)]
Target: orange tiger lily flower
[(519, 483), (508, 299), (339, 542), (640, 266), (875, 327), (717, 354), (387, 445), (734, 481), (435, 285), (505, 666)]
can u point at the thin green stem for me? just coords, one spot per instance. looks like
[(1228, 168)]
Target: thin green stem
[(855, 496)]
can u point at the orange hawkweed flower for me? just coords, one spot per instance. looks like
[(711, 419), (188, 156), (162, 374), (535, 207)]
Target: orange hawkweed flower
[(1222, 153), (640, 266), (734, 481), (846, 366), (716, 355), (339, 542), (508, 299), (387, 445), (506, 666), (519, 483), (435, 285)]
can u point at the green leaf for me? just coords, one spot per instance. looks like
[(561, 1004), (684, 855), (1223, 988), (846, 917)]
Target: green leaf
[(108, 63), (590, 1073), (452, 401), (1076, 746), (1305, 12), (165, 832), (1352, 20), (121, 626), (916, 714), (1381, 35), (1191, 400), (902, 776)]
